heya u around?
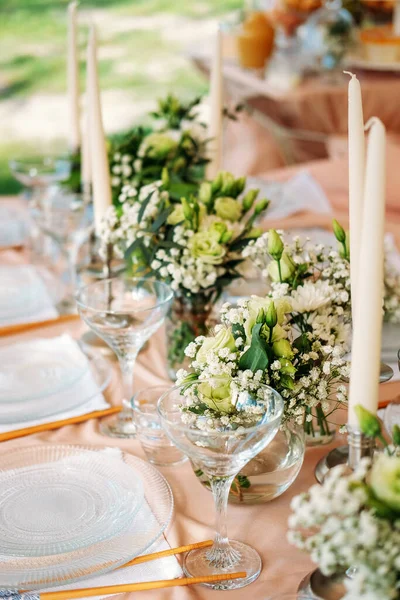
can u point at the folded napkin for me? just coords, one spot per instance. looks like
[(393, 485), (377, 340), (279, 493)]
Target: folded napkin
[(24, 297), (84, 387), (301, 193), (13, 227), (164, 568)]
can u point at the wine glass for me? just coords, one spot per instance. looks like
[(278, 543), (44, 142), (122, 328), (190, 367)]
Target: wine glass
[(221, 453), (124, 312), (68, 219)]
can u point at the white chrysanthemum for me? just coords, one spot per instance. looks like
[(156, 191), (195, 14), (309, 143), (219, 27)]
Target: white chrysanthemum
[(311, 296)]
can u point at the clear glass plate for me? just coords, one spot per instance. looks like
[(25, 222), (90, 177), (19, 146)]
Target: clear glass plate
[(104, 556), (27, 375), (61, 506), (94, 380)]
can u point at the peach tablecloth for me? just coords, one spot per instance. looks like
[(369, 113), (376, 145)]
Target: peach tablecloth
[(304, 123), (263, 526)]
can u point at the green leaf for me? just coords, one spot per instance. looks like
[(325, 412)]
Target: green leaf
[(161, 219), (144, 206), (256, 357), (302, 343), (286, 381), (134, 246)]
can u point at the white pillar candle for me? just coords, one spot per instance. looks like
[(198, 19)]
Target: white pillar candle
[(396, 18), (216, 111), (356, 178), (73, 79), (367, 332), (98, 151)]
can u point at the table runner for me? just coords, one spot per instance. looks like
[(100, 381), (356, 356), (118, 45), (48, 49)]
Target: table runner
[(262, 526)]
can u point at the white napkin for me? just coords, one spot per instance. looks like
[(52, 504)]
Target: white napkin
[(13, 227), (300, 193), (85, 386), (24, 297), (165, 568)]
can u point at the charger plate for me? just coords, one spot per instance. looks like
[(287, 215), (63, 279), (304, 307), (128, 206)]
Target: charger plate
[(49, 570)]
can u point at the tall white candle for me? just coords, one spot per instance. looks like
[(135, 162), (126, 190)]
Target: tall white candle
[(98, 151), (73, 79), (367, 332), (396, 17), (86, 171), (216, 110), (356, 178)]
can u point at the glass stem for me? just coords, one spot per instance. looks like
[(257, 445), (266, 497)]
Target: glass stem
[(127, 364), (221, 555)]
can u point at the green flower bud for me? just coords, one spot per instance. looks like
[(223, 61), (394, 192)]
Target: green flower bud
[(261, 206), (287, 367), (228, 184), (249, 199), (228, 209), (339, 232), (217, 183), (287, 268), (205, 192), (239, 186), (165, 177), (275, 245), (187, 209), (282, 349), (271, 316), (226, 237), (179, 164), (396, 435), (369, 423), (254, 233)]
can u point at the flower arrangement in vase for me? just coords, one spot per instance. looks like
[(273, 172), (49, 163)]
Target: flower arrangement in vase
[(175, 140), (315, 280), (350, 523), (195, 245), (256, 345)]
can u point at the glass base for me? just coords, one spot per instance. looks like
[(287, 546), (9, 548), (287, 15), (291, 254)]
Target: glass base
[(197, 563), (119, 426)]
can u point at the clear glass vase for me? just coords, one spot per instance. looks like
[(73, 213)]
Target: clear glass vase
[(270, 473), (188, 318), (319, 426)]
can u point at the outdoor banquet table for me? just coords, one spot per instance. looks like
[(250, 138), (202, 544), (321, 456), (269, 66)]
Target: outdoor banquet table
[(262, 526), (300, 124)]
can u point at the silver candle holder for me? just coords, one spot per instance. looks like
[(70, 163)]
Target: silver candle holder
[(315, 584), (341, 454)]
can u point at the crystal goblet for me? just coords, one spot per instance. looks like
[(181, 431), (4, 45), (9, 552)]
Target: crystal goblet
[(68, 219), (221, 453), (125, 312)]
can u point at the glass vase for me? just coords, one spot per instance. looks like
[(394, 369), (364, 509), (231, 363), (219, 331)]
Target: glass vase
[(270, 473), (319, 427), (188, 318)]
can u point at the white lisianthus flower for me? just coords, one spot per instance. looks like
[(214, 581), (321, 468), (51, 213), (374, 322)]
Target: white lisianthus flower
[(311, 296)]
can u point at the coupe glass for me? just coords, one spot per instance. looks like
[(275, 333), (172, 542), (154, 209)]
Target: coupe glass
[(124, 312), (39, 173), (221, 454), (68, 219)]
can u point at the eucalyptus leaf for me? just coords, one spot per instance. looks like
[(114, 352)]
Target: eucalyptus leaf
[(144, 205)]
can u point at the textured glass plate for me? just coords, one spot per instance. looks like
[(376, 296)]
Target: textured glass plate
[(147, 526), (26, 375), (51, 405), (61, 506)]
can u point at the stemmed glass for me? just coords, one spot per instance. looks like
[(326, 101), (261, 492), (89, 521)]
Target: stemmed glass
[(68, 219), (221, 454), (125, 312)]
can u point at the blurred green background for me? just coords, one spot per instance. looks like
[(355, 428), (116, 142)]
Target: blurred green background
[(142, 56)]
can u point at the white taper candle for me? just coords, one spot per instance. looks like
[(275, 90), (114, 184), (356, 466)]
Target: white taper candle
[(73, 79), (396, 17), (216, 111), (367, 330), (356, 178), (98, 151)]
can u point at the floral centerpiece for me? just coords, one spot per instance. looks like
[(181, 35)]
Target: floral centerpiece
[(352, 522), (195, 245), (316, 282), (256, 344), (175, 139)]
